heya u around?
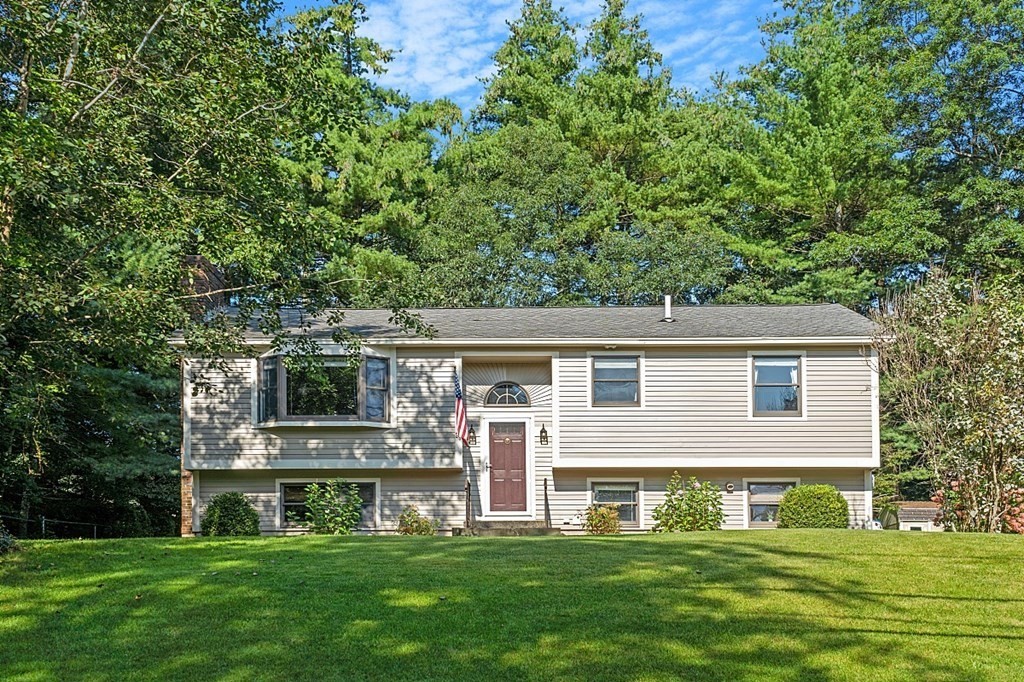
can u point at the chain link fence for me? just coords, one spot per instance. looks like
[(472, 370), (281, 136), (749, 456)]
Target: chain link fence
[(42, 527)]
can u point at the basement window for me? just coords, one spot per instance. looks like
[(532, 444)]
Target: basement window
[(294, 509), (763, 501), (625, 494)]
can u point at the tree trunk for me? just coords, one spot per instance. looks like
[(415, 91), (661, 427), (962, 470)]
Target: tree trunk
[(6, 215), (26, 507)]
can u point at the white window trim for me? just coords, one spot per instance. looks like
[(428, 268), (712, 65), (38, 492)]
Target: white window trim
[(640, 376), (746, 494), (334, 350), (622, 479), (186, 414), (279, 504), (508, 416), (801, 355), (497, 406)]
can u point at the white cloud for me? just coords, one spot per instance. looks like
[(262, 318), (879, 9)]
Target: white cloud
[(444, 47)]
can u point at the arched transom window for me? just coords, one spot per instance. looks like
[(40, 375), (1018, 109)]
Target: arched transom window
[(507, 393)]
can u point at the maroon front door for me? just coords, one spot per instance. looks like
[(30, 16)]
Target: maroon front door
[(508, 467)]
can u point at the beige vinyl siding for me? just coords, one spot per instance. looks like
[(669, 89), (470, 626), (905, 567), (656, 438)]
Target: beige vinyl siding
[(440, 495), (223, 435), (569, 494), (437, 495), (696, 405)]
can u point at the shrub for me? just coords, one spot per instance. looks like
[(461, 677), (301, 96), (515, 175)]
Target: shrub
[(8, 543), (602, 519), (813, 506), (230, 514), (1013, 519), (695, 506), (411, 522), (334, 507)]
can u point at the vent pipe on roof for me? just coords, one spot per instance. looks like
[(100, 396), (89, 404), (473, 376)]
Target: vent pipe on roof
[(668, 308)]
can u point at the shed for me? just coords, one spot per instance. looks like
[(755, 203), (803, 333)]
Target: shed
[(921, 516)]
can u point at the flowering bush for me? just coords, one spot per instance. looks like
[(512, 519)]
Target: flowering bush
[(695, 506), (333, 507), (1013, 519), (602, 519), (954, 508), (411, 522)]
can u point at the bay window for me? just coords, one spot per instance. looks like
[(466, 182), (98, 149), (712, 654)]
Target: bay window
[(336, 389)]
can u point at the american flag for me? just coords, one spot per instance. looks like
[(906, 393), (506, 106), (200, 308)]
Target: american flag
[(461, 422)]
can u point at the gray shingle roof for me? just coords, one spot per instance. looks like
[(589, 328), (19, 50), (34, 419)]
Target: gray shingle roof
[(690, 322)]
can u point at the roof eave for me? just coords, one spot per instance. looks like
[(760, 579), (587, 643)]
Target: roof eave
[(576, 342)]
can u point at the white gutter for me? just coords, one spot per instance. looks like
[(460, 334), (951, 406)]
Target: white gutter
[(578, 342)]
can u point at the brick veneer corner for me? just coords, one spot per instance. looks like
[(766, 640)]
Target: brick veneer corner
[(186, 504)]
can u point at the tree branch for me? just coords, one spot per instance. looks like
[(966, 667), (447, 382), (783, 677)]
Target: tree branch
[(118, 71)]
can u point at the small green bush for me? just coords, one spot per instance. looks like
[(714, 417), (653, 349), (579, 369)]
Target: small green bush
[(695, 506), (602, 519), (8, 543), (813, 506), (411, 522), (335, 507), (230, 514)]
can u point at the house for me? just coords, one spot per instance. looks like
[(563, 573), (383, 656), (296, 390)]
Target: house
[(567, 406)]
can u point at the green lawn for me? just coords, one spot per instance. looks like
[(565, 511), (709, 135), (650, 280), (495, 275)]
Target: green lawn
[(777, 605)]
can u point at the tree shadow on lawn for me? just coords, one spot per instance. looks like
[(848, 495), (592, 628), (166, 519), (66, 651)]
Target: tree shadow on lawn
[(473, 608)]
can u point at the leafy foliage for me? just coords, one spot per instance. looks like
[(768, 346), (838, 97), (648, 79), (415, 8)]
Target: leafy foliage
[(334, 507), (602, 519), (951, 352), (138, 141), (230, 514), (411, 522), (813, 506), (689, 507), (8, 543)]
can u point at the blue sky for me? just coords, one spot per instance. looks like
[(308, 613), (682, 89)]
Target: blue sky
[(444, 47)]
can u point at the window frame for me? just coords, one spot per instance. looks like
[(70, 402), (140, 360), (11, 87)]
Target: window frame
[(280, 522), (621, 480), (281, 417), (528, 403), (593, 357), (801, 377), (763, 499)]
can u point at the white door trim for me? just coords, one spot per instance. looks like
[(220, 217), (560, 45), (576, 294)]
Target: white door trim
[(484, 482)]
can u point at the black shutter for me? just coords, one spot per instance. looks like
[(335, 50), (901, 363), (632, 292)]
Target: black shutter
[(268, 389)]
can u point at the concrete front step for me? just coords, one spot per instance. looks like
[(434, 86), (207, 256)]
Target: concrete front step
[(506, 529), (509, 524)]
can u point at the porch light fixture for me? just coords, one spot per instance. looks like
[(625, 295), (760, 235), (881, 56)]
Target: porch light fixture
[(472, 435), (543, 435)]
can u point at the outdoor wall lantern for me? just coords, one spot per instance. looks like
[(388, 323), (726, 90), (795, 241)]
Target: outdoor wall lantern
[(543, 435), (472, 435)]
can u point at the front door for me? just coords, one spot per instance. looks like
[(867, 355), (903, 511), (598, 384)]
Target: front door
[(508, 466)]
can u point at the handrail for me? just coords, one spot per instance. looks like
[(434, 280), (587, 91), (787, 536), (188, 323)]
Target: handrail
[(547, 505)]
